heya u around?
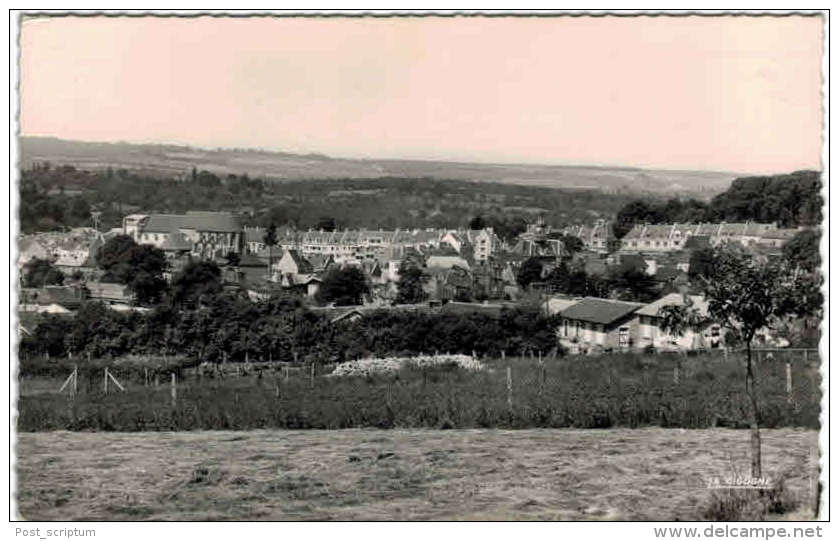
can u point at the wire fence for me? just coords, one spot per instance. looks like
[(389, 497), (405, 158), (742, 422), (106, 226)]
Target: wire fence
[(608, 390)]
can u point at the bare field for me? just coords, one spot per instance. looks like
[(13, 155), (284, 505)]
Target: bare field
[(539, 474)]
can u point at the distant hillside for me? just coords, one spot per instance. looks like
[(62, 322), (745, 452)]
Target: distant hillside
[(172, 160)]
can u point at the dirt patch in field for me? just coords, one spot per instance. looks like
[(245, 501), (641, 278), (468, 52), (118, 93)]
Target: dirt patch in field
[(617, 474)]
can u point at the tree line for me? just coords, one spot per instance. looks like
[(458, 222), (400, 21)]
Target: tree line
[(53, 197), (789, 200), (229, 326)]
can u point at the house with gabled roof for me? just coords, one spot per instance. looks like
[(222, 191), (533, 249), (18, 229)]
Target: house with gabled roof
[(293, 262), (597, 237), (650, 334), (308, 284), (595, 324)]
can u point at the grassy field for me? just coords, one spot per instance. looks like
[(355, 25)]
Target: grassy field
[(538, 474), (632, 390)]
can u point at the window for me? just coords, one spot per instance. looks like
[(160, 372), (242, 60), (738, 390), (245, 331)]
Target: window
[(623, 337)]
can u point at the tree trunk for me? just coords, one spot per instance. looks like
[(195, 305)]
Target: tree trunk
[(751, 391)]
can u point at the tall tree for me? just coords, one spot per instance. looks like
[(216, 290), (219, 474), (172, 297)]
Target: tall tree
[(701, 262), (530, 271), (409, 287), (41, 272), (803, 250), (139, 266), (198, 282), (270, 240), (344, 287)]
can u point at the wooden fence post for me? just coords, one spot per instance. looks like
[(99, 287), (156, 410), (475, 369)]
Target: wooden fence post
[(805, 356), (174, 390), (676, 374), (789, 382), (277, 388), (312, 377), (75, 379), (71, 377), (503, 355), (106, 380), (815, 473), (509, 389)]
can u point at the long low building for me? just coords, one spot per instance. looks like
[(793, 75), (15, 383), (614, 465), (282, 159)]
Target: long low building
[(201, 234)]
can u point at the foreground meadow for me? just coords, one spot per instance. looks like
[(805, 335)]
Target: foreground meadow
[(400, 474)]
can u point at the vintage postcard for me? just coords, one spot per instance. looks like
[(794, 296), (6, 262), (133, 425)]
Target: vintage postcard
[(420, 267)]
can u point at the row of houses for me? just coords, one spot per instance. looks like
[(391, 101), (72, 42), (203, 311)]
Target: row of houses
[(381, 245), (675, 237)]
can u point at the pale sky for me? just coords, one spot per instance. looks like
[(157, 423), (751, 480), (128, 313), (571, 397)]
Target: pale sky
[(740, 94)]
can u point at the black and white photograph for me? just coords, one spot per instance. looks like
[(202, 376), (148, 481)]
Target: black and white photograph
[(420, 267)]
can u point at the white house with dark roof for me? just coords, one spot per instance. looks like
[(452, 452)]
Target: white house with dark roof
[(594, 324)]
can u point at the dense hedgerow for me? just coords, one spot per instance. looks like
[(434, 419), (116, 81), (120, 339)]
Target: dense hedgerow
[(598, 392)]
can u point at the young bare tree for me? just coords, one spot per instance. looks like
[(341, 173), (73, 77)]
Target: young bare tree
[(747, 294)]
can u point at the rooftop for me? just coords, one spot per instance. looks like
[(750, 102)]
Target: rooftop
[(674, 299), (604, 311), (218, 222)]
